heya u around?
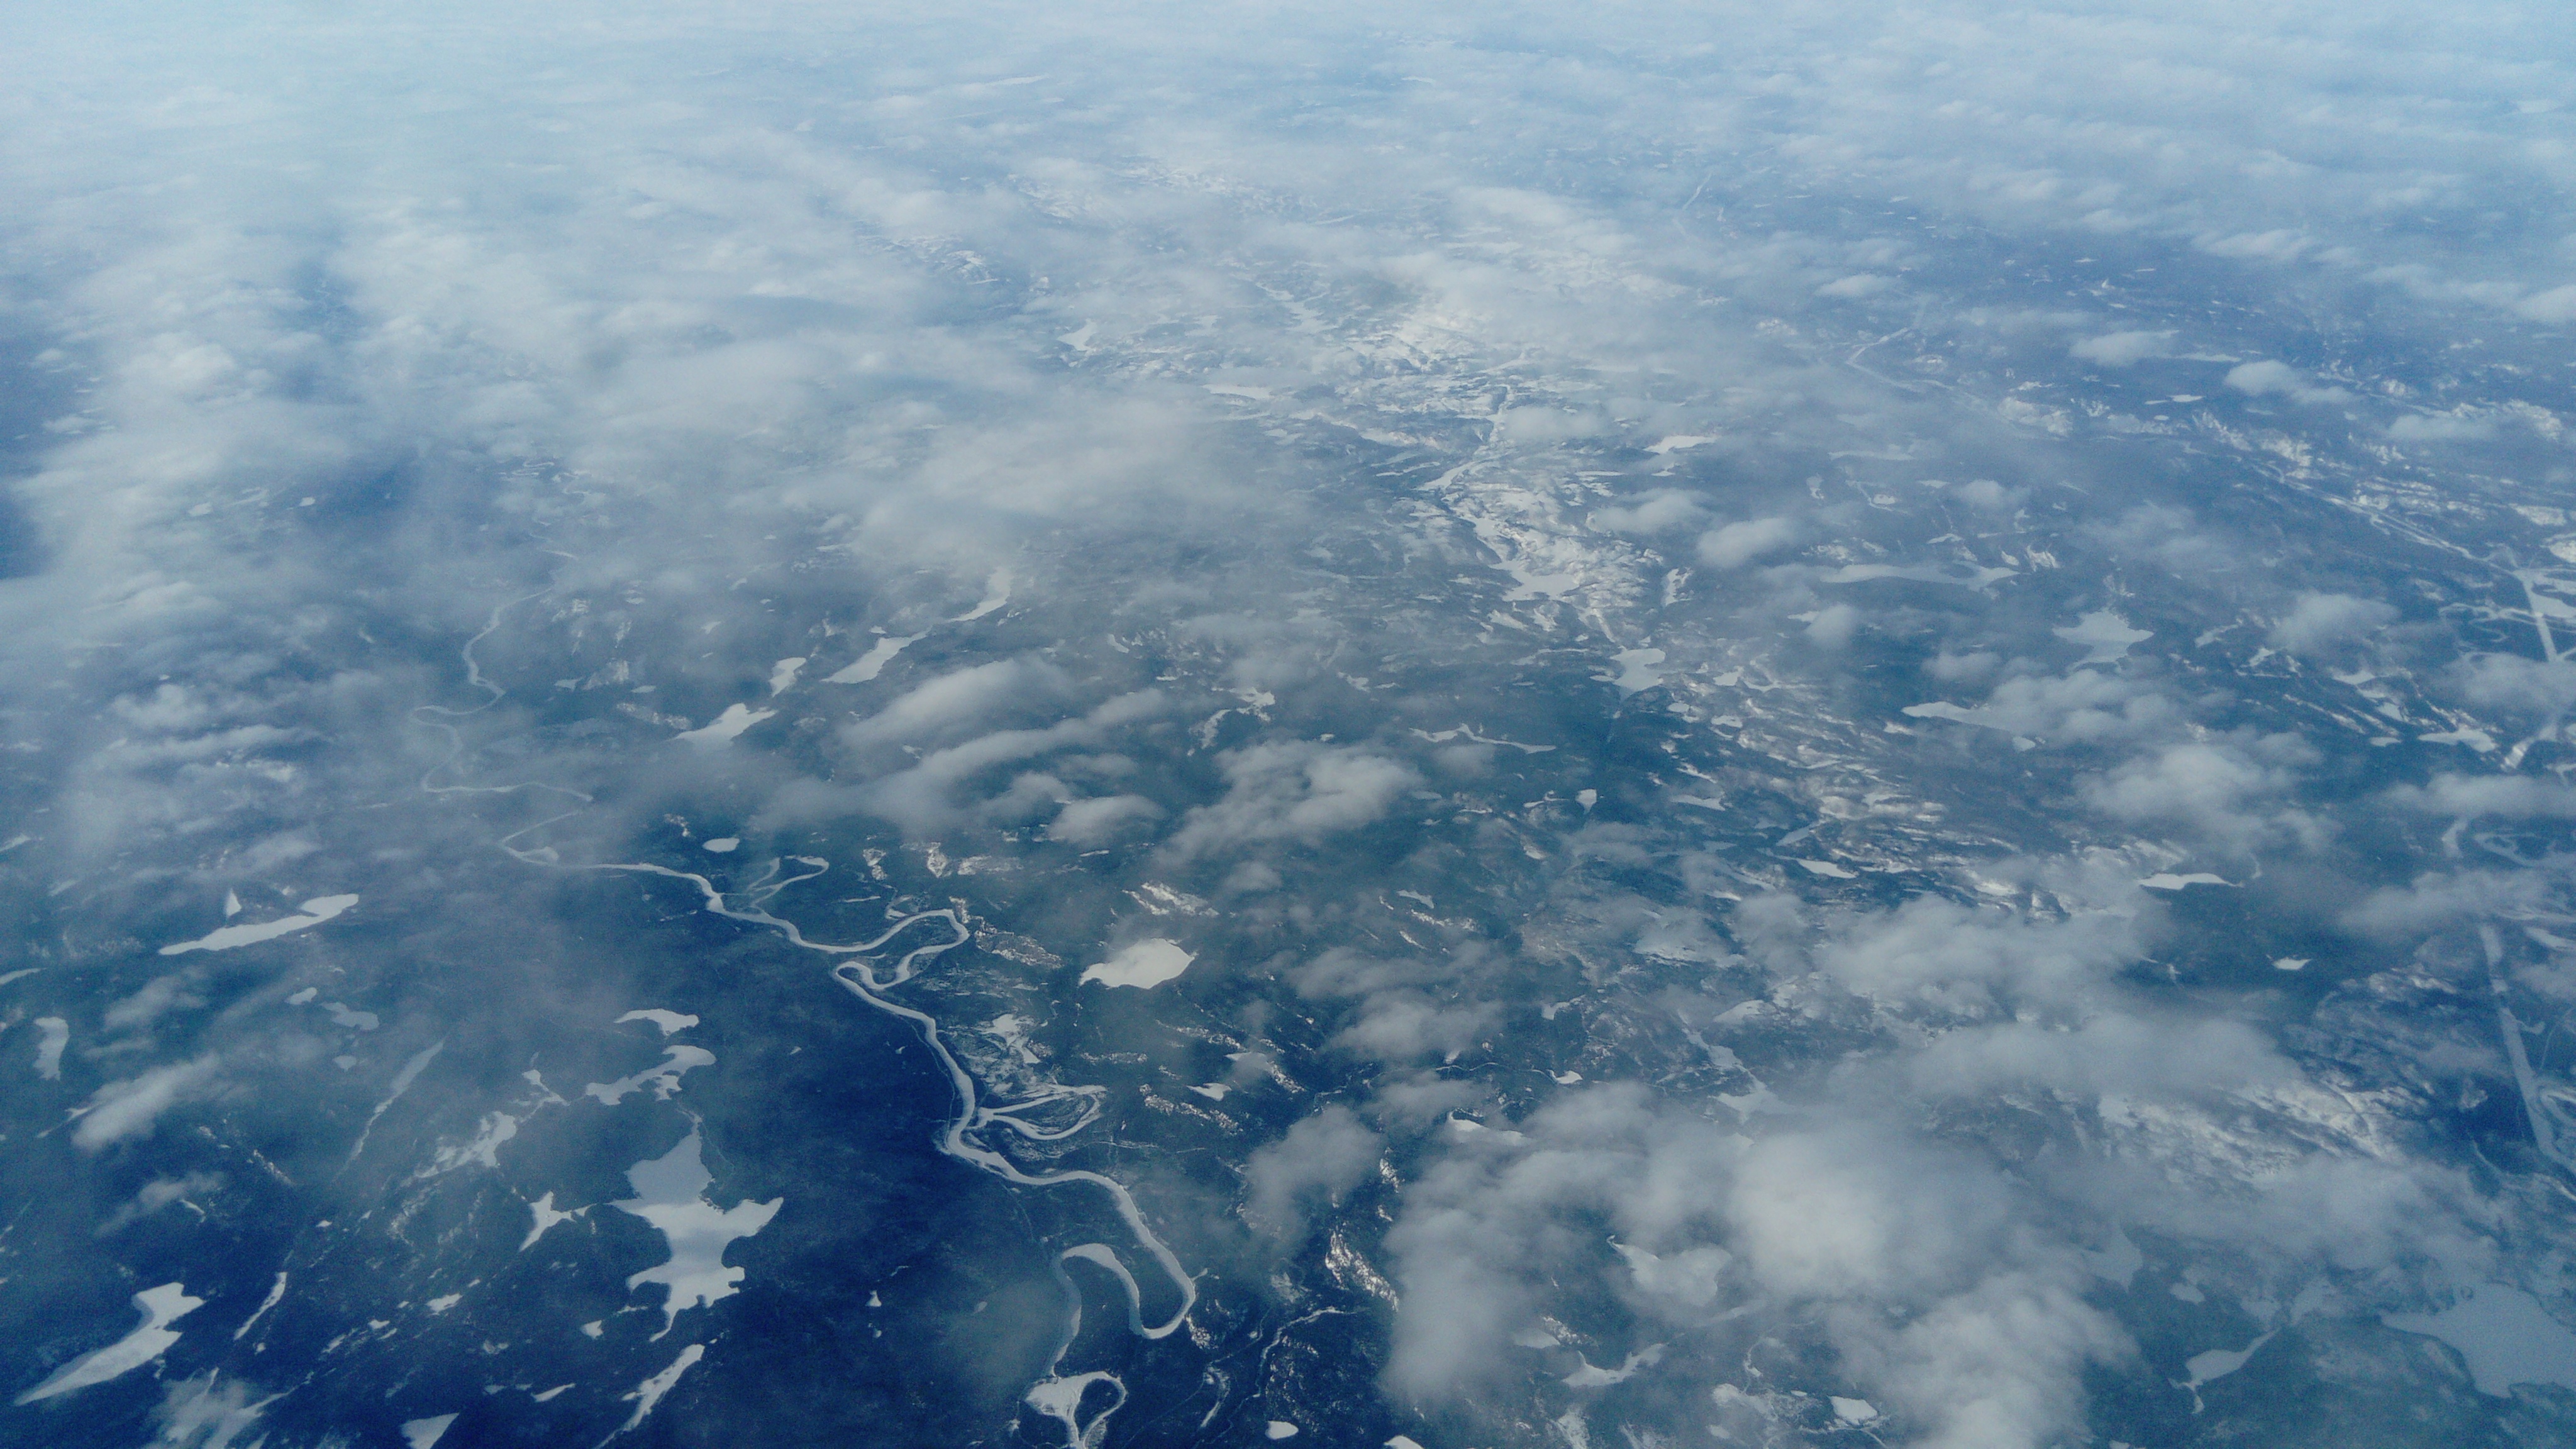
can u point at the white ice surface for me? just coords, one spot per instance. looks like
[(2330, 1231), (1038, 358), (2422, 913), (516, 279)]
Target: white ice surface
[(650, 1392), (1061, 1399), (719, 732), (670, 1194), (1853, 1411), (1637, 671), (723, 845), (668, 1021), (483, 1149), (2505, 1335), (997, 592), (665, 1078), (160, 1307), (2105, 636), (2168, 881), (402, 1083), (2218, 1363), (424, 1433), (1147, 963), (1470, 732), (1589, 1377), (543, 1212), (782, 675), (316, 911), (52, 1033), (276, 1291), (878, 656)]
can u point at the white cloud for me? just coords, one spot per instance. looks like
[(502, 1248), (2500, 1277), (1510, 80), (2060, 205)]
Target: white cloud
[(1834, 625), (2556, 305), (2224, 791), (2264, 379), (2123, 349), (2511, 796), (1734, 545), (2440, 898), (1092, 822), (1400, 1026), (2320, 622), (640, 338), (2509, 681), (1321, 1158), (1859, 284), (2440, 428), (129, 1107), (1657, 512), (922, 797), (1296, 790), (962, 696)]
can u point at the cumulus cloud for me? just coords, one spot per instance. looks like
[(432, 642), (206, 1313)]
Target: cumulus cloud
[(2123, 349), (2508, 681), (1092, 822), (1400, 1026), (2513, 796), (1734, 545), (2269, 379), (1657, 512), (1294, 790), (657, 389), (2555, 305), (2440, 428), (1835, 1214), (1321, 1158), (923, 796), (2441, 898), (2317, 623), (128, 1108), (1834, 625), (1703, 1218), (2225, 791), (2124, 1052), (2083, 707), (1976, 963), (960, 697)]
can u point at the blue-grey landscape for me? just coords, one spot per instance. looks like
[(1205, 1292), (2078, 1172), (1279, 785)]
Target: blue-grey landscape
[(1408, 726)]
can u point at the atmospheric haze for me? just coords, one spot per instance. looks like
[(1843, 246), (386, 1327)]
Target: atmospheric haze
[(1611, 727)]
